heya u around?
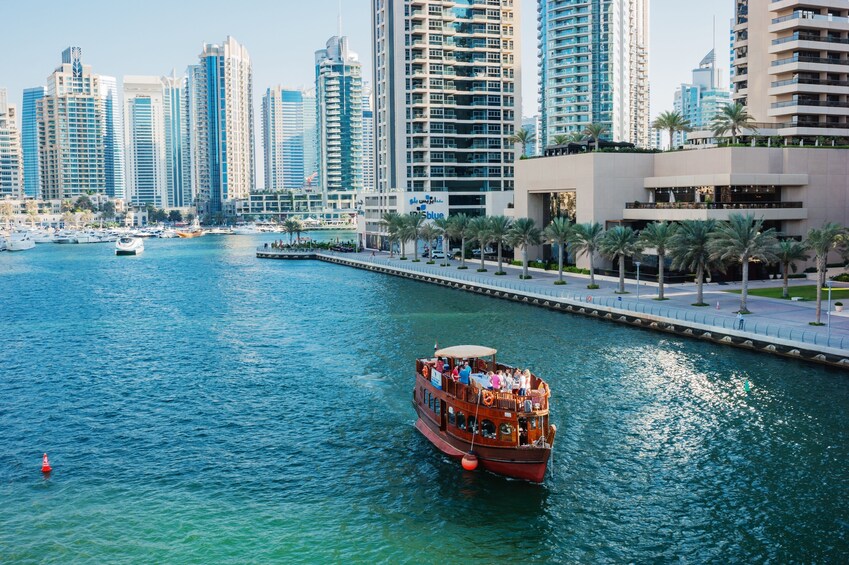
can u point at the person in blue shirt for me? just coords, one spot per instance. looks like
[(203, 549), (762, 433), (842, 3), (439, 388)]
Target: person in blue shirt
[(465, 372)]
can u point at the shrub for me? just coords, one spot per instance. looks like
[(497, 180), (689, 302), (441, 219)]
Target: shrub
[(842, 277)]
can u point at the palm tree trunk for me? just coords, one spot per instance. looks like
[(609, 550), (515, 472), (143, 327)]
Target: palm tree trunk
[(403, 248), (463, 251), (524, 261), (416, 248), (483, 267), (671, 134), (700, 281), (560, 262), (745, 292), (660, 267), (499, 258), (592, 270), (621, 274), (785, 275), (820, 271)]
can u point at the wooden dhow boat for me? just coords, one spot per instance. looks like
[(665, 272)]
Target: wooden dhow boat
[(502, 432)]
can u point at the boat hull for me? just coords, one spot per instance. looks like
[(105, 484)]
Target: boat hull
[(525, 463)]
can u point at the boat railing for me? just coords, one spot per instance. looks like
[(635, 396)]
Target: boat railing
[(537, 398)]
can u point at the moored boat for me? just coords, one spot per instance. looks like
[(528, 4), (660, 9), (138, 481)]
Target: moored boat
[(129, 246), (506, 433), (20, 241)]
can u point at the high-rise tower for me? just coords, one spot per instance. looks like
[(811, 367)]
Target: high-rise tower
[(594, 68), (701, 100), (29, 141), (11, 160), (288, 133), (113, 138), (144, 118), (179, 193)]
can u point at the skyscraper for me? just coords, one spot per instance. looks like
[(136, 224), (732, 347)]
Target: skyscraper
[(29, 141), (71, 131), (146, 154), (113, 138), (594, 68), (791, 66), (11, 159), (220, 115), (447, 98), (701, 100), (339, 101), (288, 134), (179, 193), (368, 140)]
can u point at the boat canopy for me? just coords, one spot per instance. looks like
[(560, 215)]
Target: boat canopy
[(466, 352)]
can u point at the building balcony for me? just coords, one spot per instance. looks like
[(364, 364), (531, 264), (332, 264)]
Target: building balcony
[(678, 211), (818, 107), (799, 18)]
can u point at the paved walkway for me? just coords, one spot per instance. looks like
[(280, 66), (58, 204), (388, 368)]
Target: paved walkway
[(772, 317)]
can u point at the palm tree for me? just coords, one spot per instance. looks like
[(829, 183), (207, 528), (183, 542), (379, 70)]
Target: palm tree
[(595, 131), (458, 228), (658, 235), (559, 231), (413, 226), (289, 226), (741, 240), (585, 239), (671, 122), (299, 227), (479, 231), (788, 252), (6, 212), (689, 249), (429, 233), (31, 207), (499, 229), (618, 243), (525, 137), (733, 118), (821, 241), (560, 139), (443, 224), (523, 234), (392, 221)]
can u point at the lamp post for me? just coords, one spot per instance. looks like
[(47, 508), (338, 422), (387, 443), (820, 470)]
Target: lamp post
[(637, 263), (829, 284)]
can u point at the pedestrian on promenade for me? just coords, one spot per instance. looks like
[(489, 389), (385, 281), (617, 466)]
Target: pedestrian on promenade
[(741, 321)]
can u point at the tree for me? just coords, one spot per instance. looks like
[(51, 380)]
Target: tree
[(524, 137), (478, 230), (413, 226), (443, 224), (31, 207), (175, 216), (290, 226), (499, 229), (672, 122), (190, 217), (659, 236), (595, 131), (67, 206), (689, 250), (6, 212), (560, 139), (458, 228), (741, 240), (429, 233), (523, 234), (393, 222), (732, 117), (821, 241), (619, 242), (83, 202), (68, 219), (788, 252), (585, 239), (107, 211), (558, 232), (86, 216)]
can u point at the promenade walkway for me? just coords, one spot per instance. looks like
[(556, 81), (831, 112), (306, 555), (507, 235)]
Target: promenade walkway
[(771, 318)]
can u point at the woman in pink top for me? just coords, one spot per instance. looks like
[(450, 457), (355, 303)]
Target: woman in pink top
[(494, 381)]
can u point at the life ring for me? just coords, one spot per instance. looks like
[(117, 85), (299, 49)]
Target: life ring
[(589, 298), (488, 397), (425, 371)]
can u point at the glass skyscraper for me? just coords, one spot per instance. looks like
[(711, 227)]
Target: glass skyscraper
[(113, 138), (11, 160), (701, 100), (593, 68), (289, 138), (179, 194), (29, 141), (144, 119)]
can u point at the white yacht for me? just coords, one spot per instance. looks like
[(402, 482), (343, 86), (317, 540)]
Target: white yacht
[(129, 246), (246, 230), (20, 241), (88, 237), (42, 236)]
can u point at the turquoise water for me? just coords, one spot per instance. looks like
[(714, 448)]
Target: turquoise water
[(200, 405)]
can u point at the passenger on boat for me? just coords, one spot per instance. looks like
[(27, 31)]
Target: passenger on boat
[(526, 383), (494, 381), (517, 381), (465, 373), (455, 373), (440, 365), (506, 381)]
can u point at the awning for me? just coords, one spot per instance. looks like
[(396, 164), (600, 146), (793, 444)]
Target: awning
[(466, 351)]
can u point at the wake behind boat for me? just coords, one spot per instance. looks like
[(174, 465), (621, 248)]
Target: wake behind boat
[(469, 415), (129, 246)]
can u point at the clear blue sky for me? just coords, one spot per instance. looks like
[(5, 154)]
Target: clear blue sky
[(153, 36)]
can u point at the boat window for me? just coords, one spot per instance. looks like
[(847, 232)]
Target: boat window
[(488, 429), (429, 400), (506, 431), (461, 420), (436, 405), (473, 425), (534, 423), (451, 418)]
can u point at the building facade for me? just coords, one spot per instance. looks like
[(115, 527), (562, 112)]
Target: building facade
[(368, 140), (791, 66), (173, 99), (339, 100), (145, 150), (220, 118), (71, 131), (594, 68), (113, 138), (702, 99), (11, 157), (289, 138), (29, 141)]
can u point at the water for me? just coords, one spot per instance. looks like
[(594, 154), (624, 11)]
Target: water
[(200, 405)]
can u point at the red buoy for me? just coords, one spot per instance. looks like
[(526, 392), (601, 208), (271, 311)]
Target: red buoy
[(470, 462), (45, 465)]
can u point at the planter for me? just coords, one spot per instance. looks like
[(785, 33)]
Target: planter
[(838, 308)]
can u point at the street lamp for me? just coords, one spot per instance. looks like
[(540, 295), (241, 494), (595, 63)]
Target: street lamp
[(829, 284), (637, 263)]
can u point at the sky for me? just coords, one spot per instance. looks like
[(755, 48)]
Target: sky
[(154, 36)]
